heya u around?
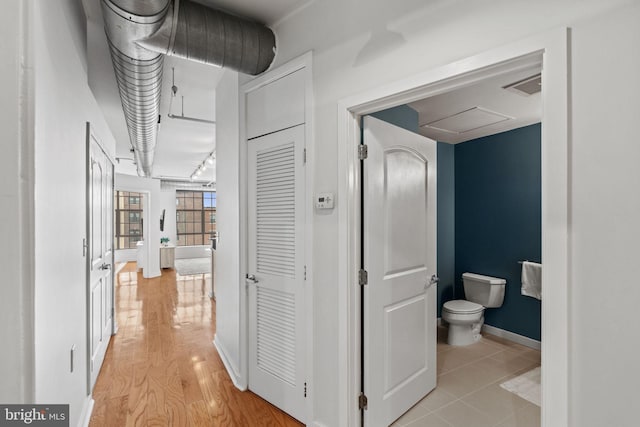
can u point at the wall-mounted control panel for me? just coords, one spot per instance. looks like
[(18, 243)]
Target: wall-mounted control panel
[(325, 201)]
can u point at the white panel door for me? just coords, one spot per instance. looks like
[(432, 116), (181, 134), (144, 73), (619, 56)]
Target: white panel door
[(100, 255), (399, 215), (276, 269)]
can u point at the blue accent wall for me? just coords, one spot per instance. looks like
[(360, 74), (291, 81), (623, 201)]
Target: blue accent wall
[(402, 116), (498, 219), (446, 223)]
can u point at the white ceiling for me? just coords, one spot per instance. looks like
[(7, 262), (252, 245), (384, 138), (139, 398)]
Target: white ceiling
[(182, 145), (482, 103), (266, 12)]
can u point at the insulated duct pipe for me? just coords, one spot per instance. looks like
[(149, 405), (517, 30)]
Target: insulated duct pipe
[(140, 32)]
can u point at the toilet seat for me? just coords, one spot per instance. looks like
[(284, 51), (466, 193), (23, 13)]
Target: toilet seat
[(462, 307)]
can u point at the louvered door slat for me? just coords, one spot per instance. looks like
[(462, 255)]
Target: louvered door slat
[(276, 356), (276, 257), (275, 214)]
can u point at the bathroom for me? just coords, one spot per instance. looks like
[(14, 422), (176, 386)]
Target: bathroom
[(489, 219), (488, 223)]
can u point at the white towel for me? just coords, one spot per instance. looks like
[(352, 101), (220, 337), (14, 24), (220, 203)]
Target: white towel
[(532, 279)]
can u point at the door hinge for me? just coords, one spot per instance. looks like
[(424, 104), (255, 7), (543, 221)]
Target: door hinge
[(362, 401), (363, 151), (304, 156), (305, 272), (85, 247), (305, 389), (363, 277)]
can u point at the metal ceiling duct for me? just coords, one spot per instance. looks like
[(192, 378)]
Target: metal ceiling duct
[(141, 32)]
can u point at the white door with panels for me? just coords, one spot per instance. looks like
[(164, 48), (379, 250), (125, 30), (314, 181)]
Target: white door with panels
[(99, 252), (276, 279), (399, 242)]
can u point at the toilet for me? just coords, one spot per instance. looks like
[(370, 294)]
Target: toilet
[(465, 317)]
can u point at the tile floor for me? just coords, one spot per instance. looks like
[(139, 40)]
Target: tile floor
[(468, 393)]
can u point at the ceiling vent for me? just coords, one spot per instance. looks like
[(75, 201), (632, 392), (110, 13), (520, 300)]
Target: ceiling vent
[(467, 120), (526, 87)]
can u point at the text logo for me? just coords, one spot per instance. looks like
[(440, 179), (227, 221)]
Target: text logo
[(34, 415)]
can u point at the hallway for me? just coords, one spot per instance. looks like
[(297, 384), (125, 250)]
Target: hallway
[(161, 368)]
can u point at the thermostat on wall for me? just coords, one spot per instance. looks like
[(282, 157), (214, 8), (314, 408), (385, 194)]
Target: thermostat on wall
[(324, 201)]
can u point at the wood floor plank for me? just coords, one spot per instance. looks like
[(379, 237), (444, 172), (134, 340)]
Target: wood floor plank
[(162, 369), (116, 413), (198, 414), (188, 379)]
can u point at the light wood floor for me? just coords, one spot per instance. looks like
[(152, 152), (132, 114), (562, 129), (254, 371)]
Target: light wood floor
[(161, 368)]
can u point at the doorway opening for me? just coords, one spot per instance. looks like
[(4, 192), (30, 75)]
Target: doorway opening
[(488, 179), (552, 48)]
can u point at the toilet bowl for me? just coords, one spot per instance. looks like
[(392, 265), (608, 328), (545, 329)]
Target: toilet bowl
[(466, 317)]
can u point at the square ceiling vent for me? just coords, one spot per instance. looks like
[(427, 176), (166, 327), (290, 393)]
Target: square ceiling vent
[(467, 120)]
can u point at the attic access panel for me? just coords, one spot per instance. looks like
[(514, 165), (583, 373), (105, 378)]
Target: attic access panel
[(467, 120)]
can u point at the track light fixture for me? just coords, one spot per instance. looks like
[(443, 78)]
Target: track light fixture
[(209, 160)]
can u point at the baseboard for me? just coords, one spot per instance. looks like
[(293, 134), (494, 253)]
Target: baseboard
[(87, 410), (507, 335), (511, 336), (235, 377)]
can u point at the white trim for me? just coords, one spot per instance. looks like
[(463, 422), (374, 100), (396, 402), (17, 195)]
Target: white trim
[(146, 216), (553, 46), (511, 336), (299, 63), (231, 370), (87, 410), (309, 141), (507, 335), (303, 62)]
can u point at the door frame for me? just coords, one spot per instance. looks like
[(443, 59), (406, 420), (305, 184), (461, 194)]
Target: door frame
[(554, 49), (146, 218), (303, 62), (91, 136)]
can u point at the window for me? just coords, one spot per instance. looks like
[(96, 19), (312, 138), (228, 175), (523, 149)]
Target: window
[(195, 217), (128, 219)]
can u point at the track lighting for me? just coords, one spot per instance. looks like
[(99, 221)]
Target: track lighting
[(208, 161)]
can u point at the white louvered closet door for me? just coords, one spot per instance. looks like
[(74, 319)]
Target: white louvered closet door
[(276, 269)]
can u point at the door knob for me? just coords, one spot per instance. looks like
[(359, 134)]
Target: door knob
[(434, 279), (252, 278), (105, 266)]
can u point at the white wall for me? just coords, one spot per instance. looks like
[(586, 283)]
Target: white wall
[(155, 202), (228, 250), (163, 199), (355, 49), (63, 105), (605, 217), (16, 215)]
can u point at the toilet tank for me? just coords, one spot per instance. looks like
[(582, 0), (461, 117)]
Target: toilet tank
[(485, 290)]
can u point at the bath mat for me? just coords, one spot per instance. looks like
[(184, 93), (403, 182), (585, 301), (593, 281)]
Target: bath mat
[(189, 266), (527, 386)]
